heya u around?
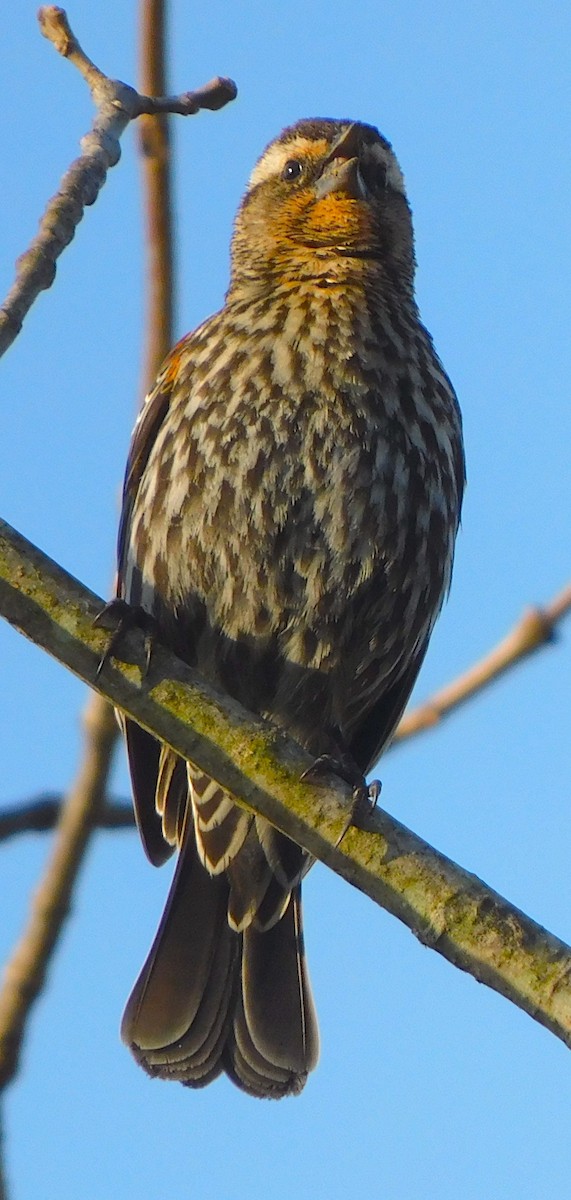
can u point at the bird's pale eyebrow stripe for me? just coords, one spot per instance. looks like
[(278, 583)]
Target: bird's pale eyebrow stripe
[(273, 161)]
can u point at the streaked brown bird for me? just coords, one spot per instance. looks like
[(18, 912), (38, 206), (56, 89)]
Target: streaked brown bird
[(291, 503)]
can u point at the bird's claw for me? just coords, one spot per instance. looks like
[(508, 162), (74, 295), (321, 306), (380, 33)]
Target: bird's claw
[(365, 795), (324, 766), (126, 617)]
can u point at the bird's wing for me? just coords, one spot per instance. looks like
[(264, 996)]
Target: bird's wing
[(143, 750), (374, 730), (148, 424)]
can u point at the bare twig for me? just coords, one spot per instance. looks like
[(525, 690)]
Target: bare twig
[(536, 627), (116, 104), (3, 1182), (212, 95), (446, 907), (154, 142), (25, 971), (42, 813)]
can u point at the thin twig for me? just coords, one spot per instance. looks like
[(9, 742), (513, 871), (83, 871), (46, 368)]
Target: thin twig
[(154, 142), (42, 813), (116, 105), (25, 972), (535, 629), (447, 908), (3, 1181)]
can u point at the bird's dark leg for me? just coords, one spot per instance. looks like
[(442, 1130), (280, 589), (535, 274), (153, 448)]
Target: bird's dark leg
[(128, 617)]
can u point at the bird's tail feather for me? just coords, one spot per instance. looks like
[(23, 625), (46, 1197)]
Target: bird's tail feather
[(210, 999)]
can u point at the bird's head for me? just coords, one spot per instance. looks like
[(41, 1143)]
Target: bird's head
[(325, 202)]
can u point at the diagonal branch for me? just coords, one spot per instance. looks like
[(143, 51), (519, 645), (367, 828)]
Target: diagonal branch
[(3, 1181), (447, 908), (25, 973), (536, 628)]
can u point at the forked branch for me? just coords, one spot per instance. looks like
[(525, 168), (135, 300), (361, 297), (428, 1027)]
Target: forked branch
[(116, 104)]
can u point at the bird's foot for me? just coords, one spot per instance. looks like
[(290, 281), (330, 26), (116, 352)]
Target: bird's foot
[(327, 765), (125, 617), (365, 795)]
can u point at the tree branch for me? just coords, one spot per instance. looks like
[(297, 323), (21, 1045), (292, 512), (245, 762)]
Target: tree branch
[(42, 813), (3, 1182), (25, 972), (535, 629), (154, 144), (116, 105), (447, 908)]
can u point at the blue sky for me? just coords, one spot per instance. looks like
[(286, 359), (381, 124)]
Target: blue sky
[(428, 1085)]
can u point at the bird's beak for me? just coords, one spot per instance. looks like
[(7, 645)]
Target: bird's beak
[(341, 172), (347, 145)]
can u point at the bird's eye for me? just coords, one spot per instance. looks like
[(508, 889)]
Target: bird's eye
[(292, 170)]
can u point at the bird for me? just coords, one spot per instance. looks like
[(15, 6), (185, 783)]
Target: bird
[(292, 497)]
